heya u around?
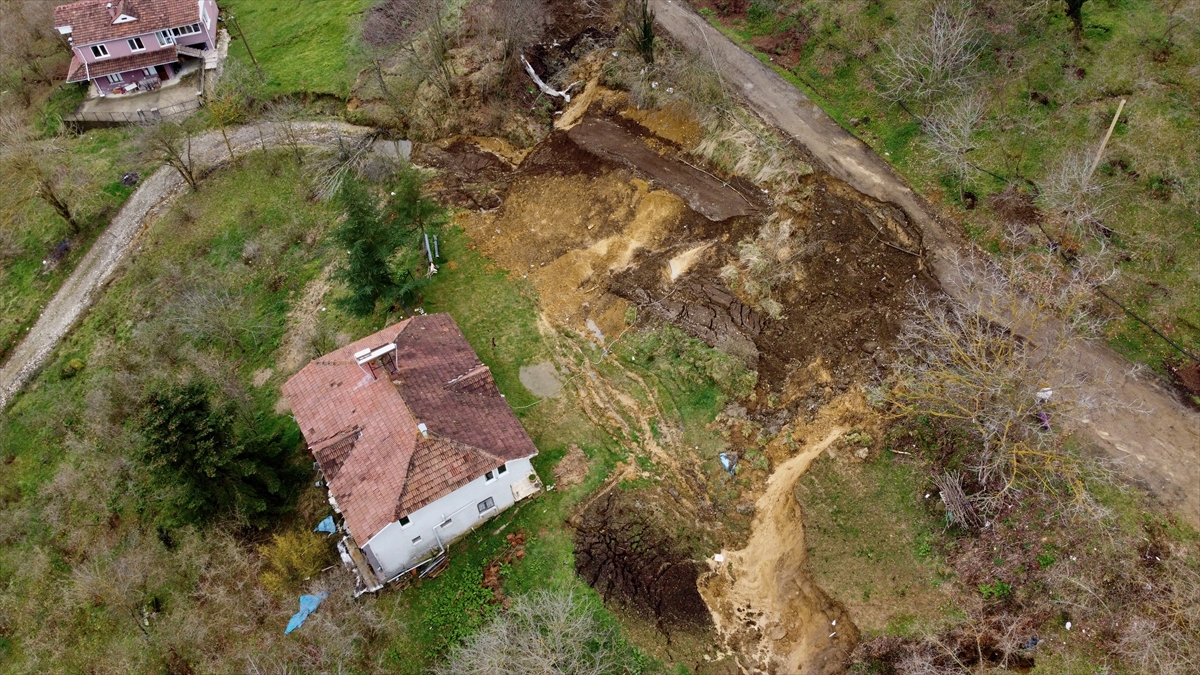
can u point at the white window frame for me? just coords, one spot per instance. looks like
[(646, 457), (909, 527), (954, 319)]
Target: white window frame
[(405, 521), (136, 44), (417, 539), (489, 477), (182, 31), (150, 72), (164, 38), (115, 78), (486, 505), (100, 51), (502, 469), (207, 20)]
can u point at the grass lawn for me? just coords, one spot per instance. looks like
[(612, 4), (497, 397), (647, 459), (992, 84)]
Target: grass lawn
[(303, 48), (1045, 97)]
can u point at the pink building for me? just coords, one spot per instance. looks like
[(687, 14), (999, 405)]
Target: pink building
[(134, 45)]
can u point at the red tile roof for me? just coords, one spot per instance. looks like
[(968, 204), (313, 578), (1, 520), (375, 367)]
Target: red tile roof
[(91, 21), (121, 64), (363, 430)]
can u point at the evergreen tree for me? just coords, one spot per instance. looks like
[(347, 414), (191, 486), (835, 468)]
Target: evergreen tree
[(205, 463)]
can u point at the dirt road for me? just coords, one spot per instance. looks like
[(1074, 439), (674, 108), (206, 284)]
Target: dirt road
[(154, 194), (1160, 449)]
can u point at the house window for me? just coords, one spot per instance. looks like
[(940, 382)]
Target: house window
[(489, 476), (502, 470), (148, 71), (487, 504), (116, 77), (99, 51), (446, 522), (186, 30), (405, 522), (164, 38), (417, 539), (135, 44)]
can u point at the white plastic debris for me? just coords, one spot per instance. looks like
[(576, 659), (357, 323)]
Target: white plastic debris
[(1044, 395), (718, 558), (1068, 626), (834, 623), (833, 633)]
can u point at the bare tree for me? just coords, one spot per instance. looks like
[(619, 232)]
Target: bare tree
[(420, 27), (171, 142), (1074, 196), (516, 23), (929, 61), (950, 132), (543, 633), (1017, 397), (283, 115), (39, 168)]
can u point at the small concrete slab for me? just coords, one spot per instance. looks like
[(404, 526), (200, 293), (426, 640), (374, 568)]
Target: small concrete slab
[(542, 380)]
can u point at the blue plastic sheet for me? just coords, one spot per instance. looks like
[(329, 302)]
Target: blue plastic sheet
[(308, 604), (729, 463), (326, 525)]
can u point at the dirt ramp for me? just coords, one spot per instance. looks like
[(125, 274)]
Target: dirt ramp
[(712, 198)]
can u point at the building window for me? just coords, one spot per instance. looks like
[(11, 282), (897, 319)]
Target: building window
[(148, 71), (135, 44), (446, 522), (99, 51), (417, 539), (186, 30), (489, 476), (116, 77), (502, 470), (487, 504), (164, 38), (405, 522)]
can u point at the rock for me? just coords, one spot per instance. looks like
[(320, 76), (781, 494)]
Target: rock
[(881, 359), (862, 453), (870, 347)]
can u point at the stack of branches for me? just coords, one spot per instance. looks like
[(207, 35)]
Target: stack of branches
[(962, 510), (329, 172)]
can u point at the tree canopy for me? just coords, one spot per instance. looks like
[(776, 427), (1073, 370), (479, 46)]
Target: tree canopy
[(208, 461)]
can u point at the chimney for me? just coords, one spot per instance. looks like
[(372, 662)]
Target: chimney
[(111, 15), (423, 429)]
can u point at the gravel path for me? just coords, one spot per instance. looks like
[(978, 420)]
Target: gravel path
[(1161, 449), (154, 194)]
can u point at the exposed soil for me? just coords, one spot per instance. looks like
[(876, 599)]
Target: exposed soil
[(623, 549), (572, 469), (763, 601)]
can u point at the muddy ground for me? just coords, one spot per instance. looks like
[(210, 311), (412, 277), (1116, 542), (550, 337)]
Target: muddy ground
[(615, 225)]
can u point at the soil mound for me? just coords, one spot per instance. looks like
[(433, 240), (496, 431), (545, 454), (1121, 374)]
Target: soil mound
[(629, 558)]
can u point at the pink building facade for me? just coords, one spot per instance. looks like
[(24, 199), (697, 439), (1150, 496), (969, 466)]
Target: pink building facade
[(125, 46)]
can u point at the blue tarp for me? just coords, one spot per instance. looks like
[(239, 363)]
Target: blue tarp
[(730, 463), (308, 604), (326, 525)]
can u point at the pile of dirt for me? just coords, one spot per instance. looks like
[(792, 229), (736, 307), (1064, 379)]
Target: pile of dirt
[(572, 469), (630, 558), (1187, 379)]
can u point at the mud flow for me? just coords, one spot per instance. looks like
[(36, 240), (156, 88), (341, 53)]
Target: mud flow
[(614, 223)]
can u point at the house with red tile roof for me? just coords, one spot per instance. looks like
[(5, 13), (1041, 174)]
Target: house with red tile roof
[(124, 46), (416, 444)]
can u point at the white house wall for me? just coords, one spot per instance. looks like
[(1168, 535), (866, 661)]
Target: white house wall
[(392, 551)]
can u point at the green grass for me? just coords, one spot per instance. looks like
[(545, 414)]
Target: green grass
[(1154, 201), (94, 164), (302, 49)]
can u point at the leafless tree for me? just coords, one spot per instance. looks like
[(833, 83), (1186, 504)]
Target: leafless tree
[(928, 61), (963, 361), (420, 28), (516, 23), (1074, 196), (764, 262), (38, 167), (214, 315), (171, 142), (950, 132), (543, 633), (283, 115)]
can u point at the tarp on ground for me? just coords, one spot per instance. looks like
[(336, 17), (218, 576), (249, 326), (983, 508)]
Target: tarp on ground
[(308, 604)]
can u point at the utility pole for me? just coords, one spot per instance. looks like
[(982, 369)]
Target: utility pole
[(247, 44)]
